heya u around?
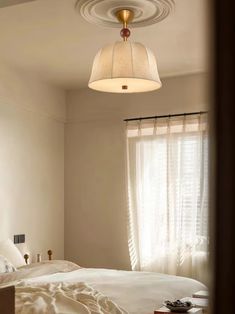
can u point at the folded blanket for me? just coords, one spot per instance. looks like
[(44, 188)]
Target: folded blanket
[(61, 298)]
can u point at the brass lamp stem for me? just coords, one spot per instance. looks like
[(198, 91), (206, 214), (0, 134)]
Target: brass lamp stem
[(125, 16)]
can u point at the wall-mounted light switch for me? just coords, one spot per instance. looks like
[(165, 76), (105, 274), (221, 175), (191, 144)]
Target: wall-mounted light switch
[(19, 238), (16, 239), (22, 238)]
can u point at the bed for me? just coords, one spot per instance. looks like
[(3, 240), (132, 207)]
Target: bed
[(64, 287)]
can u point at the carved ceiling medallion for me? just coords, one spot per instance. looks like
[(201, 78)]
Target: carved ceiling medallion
[(103, 12)]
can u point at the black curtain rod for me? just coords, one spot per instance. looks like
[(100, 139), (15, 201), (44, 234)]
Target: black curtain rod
[(166, 116)]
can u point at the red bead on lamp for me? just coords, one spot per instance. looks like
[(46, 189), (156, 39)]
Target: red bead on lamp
[(125, 33)]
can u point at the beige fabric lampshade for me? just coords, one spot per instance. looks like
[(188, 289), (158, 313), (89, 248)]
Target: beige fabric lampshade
[(124, 67)]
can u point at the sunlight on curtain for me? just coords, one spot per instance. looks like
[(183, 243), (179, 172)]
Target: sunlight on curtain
[(168, 195)]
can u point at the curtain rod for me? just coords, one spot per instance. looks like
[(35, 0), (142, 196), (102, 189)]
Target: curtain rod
[(167, 116)]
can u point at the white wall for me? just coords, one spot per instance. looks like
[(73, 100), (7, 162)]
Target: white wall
[(95, 185), (32, 118)]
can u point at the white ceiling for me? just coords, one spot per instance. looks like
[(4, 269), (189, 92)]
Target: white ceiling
[(50, 39)]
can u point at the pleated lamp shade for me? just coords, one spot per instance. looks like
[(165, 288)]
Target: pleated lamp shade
[(124, 67)]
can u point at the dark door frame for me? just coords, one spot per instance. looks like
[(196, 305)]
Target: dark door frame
[(223, 202)]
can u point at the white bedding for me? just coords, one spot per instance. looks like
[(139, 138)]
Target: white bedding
[(61, 298), (136, 292)]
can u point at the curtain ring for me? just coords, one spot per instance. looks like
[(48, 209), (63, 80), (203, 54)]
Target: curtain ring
[(184, 122), (200, 121), (139, 127), (168, 124), (155, 126), (168, 119)]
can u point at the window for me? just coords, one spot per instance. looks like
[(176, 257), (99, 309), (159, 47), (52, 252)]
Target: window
[(168, 195)]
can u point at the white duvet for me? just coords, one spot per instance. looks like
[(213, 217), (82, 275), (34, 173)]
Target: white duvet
[(61, 285), (60, 298)]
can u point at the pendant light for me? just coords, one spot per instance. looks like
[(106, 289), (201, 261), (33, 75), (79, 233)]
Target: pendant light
[(124, 66)]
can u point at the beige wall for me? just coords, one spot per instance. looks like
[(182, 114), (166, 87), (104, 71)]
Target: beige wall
[(95, 185), (32, 118)]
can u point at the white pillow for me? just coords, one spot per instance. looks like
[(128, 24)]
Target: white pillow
[(10, 251), (5, 265)]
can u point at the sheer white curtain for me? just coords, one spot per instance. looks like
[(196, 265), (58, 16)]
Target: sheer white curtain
[(168, 195)]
